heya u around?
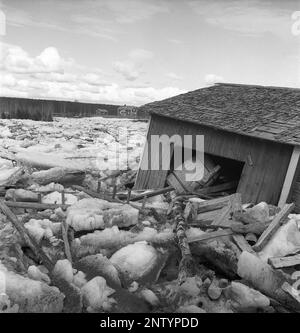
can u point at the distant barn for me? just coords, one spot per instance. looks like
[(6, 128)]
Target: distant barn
[(251, 131)]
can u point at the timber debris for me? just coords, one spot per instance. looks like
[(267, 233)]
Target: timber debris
[(80, 241)]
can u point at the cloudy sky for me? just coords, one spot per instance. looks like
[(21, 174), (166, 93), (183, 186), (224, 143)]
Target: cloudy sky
[(135, 51)]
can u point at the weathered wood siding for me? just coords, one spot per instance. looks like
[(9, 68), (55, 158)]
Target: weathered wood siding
[(265, 165)]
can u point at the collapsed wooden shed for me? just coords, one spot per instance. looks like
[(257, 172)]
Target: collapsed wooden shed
[(253, 130)]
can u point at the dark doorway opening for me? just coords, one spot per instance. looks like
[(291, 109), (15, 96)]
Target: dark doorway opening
[(230, 172)]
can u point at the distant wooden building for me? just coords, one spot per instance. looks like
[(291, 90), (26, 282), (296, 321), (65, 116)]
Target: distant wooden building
[(252, 130), (127, 111)]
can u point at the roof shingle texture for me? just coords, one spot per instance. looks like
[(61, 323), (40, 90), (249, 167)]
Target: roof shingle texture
[(271, 113)]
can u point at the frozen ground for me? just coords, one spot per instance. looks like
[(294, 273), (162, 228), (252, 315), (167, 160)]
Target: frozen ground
[(79, 143)]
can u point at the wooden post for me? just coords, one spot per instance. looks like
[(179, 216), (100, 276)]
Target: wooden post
[(63, 198), (114, 188), (64, 230), (289, 178), (144, 202), (99, 186), (128, 195)]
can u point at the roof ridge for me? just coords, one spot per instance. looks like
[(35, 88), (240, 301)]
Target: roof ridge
[(254, 85)]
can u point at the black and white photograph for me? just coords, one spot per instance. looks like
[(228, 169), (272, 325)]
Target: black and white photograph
[(149, 159)]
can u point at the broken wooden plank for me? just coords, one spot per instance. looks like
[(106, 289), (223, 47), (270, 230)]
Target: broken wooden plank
[(210, 235), (174, 182), (244, 217), (242, 244), (291, 291), (211, 177), (234, 205), (290, 175), (212, 204), (280, 262), (218, 188), (278, 220), (223, 216), (152, 193), (30, 241), (209, 216), (236, 227)]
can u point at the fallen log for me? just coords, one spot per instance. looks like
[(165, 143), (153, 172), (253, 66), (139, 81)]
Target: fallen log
[(21, 195), (34, 205), (57, 175)]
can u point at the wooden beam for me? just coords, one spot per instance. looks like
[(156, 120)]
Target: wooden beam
[(212, 204), (289, 178), (30, 241), (242, 243), (278, 220), (280, 262), (210, 235), (152, 193), (34, 205)]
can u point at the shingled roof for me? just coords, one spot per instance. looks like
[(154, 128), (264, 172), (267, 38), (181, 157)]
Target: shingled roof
[(271, 113)]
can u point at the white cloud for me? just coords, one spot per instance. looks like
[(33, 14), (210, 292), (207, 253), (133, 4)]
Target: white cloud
[(175, 41), (247, 17), (102, 18), (130, 11), (15, 59), (127, 69), (131, 69), (173, 76), (213, 78), (140, 55), (93, 79), (49, 76), (82, 91)]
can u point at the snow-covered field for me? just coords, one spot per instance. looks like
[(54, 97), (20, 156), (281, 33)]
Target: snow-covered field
[(93, 144)]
